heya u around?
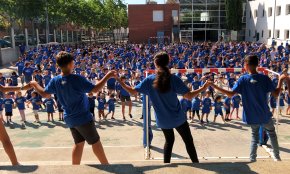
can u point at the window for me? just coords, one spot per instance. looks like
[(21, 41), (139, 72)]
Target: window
[(288, 9), (158, 16), (262, 34), (277, 33), (256, 13), (249, 33), (174, 13), (269, 33), (287, 34), (270, 11), (278, 11)]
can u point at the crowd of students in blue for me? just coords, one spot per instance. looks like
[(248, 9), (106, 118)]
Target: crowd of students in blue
[(131, 61)]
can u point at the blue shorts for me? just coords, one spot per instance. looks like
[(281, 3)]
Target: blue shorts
[(206, 111), (218, 113), (111, 109)]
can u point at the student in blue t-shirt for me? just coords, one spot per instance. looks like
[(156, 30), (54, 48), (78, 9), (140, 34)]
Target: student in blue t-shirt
[(92, 104), (101, 105), (273, 103), (27, 72), (218, 108), (50, 105), (20, 103), (111, 105), (162, 89), (71, 90), (125, 98), (227, 108), (236, 100), (196, 103), (281, 102), (206, 107), (46, 78), (8, 105), (35, 101), (254, 89)]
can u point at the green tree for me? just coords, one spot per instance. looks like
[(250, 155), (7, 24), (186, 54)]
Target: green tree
[(234, 14)]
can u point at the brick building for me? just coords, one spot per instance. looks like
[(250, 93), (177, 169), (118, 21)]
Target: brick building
[(155, 21)]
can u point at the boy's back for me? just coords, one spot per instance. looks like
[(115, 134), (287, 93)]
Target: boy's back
[(71, 92), (254, 89)]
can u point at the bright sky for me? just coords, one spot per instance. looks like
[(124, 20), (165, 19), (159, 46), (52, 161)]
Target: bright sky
[(142, 1)]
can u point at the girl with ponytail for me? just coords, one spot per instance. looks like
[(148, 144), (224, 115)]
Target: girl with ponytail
[(162, 89)]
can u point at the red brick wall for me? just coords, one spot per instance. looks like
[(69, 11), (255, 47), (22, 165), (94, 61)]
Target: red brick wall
[(141, 25)]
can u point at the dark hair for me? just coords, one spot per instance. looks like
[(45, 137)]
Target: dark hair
[(252, 60), (63, 59), (217, 98), (162, 80)]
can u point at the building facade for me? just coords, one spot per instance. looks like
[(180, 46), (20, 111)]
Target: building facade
[(202, 19), (267, 22), (153, 23)]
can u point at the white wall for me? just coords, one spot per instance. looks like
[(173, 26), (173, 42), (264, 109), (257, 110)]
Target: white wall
[(265, 23), (8, 55)]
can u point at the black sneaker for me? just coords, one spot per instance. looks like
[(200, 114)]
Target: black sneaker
[(130, 115)]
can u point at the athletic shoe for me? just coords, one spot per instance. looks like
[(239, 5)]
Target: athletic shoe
[(277, 159), (130, 115), (252, 160)]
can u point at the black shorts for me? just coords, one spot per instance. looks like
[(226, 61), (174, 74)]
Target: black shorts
[(228, 111), (8, 114), (125, 98), (86, 132)]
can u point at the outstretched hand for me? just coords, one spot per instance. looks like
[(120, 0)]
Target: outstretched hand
[(33, 84), (27, 87)]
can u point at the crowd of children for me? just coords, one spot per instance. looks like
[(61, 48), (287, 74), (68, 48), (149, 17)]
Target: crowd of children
[(131, 61)]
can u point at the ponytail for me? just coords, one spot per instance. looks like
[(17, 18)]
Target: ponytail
[(163, 75)]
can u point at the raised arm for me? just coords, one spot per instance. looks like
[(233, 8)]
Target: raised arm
[(39, 89), (224, 91), (129, 89), (103, 81), (194, 93), (5, 89)]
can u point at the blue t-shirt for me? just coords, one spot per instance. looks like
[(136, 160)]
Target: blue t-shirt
[(196, 85), (46, 79), (34, 101), (1, 104), (218, 107), (236, 101), (123, 92), (168, 110), (101, 103), (111, 103), (92, 101), (49, 103), (71, 93), (206, 104), (20, 101), (254, 89), (183, 103), (196, 103), (8, 104)]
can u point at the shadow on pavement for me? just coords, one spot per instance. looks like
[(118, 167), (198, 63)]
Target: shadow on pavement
[(218, 168), (19, 169)]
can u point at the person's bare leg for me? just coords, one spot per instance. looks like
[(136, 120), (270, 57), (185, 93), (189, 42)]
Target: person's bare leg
[(77, 153), (8, 147), (123, 110), (130, 107), (100, 153)]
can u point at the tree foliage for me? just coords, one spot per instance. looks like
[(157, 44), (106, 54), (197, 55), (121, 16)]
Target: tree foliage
[(234, 14), (96, 14)]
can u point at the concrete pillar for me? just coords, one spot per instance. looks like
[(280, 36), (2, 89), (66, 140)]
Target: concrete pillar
[(54, 35), (67, 36), (72, 36), (26, 37), (61, 39), (12, 38), (37, 36)]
